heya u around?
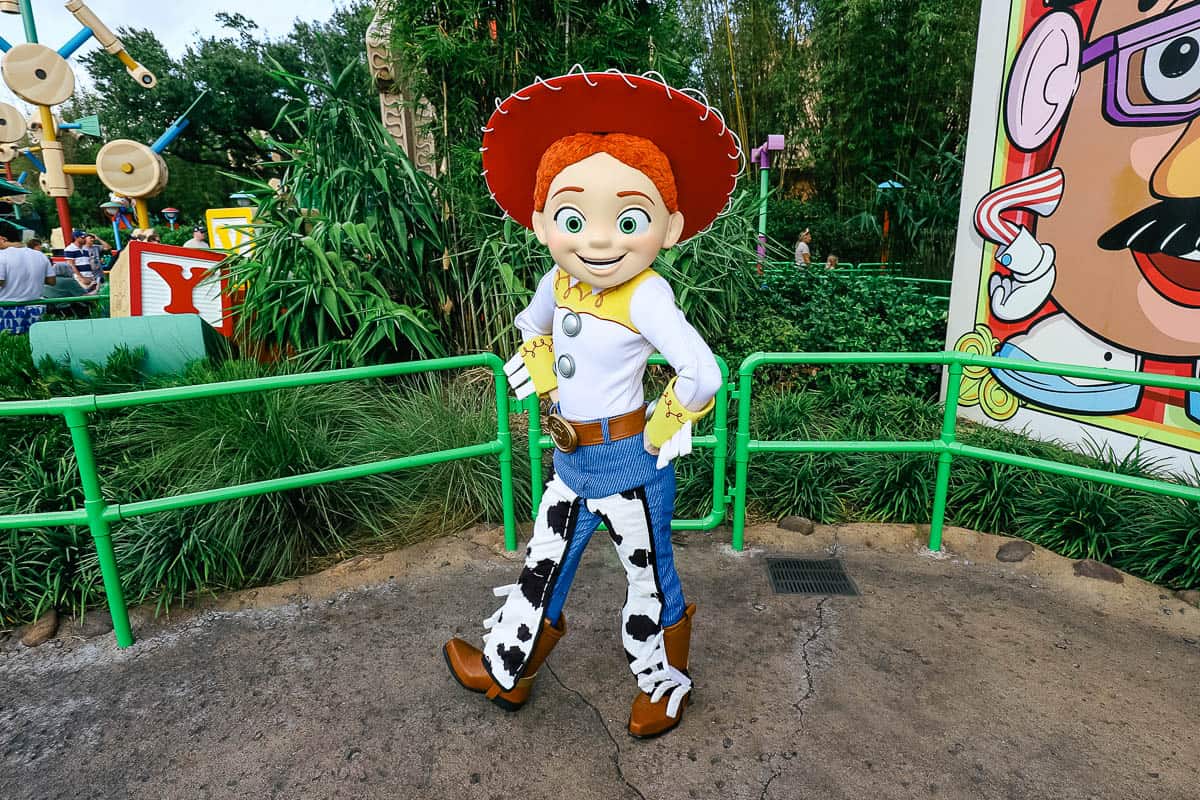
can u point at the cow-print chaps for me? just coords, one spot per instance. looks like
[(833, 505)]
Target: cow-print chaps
[(564, 523)]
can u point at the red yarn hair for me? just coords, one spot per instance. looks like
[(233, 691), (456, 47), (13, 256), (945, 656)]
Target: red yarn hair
[(633, 151)]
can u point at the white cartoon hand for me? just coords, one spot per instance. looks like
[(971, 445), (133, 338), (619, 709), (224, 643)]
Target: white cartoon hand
[(1020, 294), (680, 444), (1014, 299), (518, 376)]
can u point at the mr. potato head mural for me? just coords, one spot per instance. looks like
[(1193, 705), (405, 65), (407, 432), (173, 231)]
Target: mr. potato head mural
[(1083, 195)]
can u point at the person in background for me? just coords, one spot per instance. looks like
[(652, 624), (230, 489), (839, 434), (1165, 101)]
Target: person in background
[(95, 247), (80, 260), (198, 241), (24, 274), (831, 262), (152, 236), (803, 254)]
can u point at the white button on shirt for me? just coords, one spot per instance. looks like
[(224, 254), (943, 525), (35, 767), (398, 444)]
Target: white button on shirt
[(609, 358)]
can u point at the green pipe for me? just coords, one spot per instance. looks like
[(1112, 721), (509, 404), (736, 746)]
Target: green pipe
[(93, 503), (27, 18), (1149, 485), (53, 301), (504, 437), (533, 412), (47, 519), (720, 453), (824, 446), (941, 485), (763, 190), (200, 391), (207, 496), (741, 456)]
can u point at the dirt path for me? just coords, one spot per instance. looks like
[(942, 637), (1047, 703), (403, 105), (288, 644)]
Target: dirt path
[(955, 677)]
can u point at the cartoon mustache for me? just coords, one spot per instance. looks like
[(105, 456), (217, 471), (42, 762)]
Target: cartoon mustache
[(1171, 227)]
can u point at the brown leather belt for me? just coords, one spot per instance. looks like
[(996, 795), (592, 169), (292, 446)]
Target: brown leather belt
[(568, 435)]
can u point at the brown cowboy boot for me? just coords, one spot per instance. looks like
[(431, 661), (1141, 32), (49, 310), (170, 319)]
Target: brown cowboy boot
[(466, 665), (648, 719)]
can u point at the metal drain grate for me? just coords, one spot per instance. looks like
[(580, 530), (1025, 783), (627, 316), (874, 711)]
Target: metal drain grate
[(821, 576)]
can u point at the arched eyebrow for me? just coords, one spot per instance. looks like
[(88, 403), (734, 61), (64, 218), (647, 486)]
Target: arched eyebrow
[(631, 192), (567, 189)]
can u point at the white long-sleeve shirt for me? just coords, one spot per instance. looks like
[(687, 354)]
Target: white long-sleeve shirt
[(603, 338)]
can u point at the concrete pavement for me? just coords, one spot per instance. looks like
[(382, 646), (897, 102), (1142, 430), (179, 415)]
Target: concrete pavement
[(953, 676)]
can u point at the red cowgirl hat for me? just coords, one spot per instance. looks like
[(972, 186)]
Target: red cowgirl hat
[(705, 155)]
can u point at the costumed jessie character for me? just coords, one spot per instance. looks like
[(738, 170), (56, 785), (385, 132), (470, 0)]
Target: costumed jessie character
[(607, 169)]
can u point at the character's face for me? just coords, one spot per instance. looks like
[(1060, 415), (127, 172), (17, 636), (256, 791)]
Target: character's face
[(605, 222), (1127, 233)]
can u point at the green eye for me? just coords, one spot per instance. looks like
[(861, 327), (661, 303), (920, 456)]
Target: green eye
[(569, 220), (633, 221)]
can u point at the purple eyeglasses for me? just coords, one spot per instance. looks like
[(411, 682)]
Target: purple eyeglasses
[(1151, 69)]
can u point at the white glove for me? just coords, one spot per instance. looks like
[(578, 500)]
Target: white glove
[(680, 444), (518, 376), (1017, 296)]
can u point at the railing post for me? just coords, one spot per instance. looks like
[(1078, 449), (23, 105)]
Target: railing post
[(721, 451), (93, 503), (945, 457), (741, 455), (533, 411), (504, 434)]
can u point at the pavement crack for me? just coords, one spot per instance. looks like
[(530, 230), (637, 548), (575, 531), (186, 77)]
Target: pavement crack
[(767, 785), (604, 725), (810, 689)]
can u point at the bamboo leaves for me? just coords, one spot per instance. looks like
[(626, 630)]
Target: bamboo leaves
[(340, 271)]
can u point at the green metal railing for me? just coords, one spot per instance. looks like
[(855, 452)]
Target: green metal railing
[(98, 514), (54, 301), (717, 441), (945, 447)]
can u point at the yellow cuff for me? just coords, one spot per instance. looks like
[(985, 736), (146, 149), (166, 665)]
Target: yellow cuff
[(538, 355), (670, 415)]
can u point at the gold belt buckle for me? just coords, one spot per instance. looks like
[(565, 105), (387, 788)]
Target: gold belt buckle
[(562, 433)]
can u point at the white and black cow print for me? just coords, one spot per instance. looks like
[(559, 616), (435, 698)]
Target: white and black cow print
[(513, 630), (628, 521), (629, 527)]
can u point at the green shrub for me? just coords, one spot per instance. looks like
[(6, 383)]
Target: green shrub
[(346, 264), (816, 310), (176, 448)]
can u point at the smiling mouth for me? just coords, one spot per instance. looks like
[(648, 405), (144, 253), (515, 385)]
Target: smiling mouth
[(599, 265), (1164, 241)]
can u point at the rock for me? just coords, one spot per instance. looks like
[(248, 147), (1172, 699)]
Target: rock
[(41, 630), (1087, 568), (94, 623), (487, 538), (800, 525), (1011, 552), (356, 564), (1190, 596)]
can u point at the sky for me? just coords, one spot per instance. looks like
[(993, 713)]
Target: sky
[(175, 22)]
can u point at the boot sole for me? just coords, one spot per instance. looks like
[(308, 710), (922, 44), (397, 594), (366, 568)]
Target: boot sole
[(644, 736), (507, 705)]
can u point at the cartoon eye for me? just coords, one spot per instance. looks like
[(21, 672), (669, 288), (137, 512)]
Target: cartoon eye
[(569, 220), (1171, 70), (633, 221)]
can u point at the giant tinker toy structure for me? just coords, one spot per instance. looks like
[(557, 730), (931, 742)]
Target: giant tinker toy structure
[(43, 77)]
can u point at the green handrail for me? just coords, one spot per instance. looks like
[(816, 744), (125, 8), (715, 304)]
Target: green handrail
[(53, 301), (98, 513), (945, 446), (718, 441)]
